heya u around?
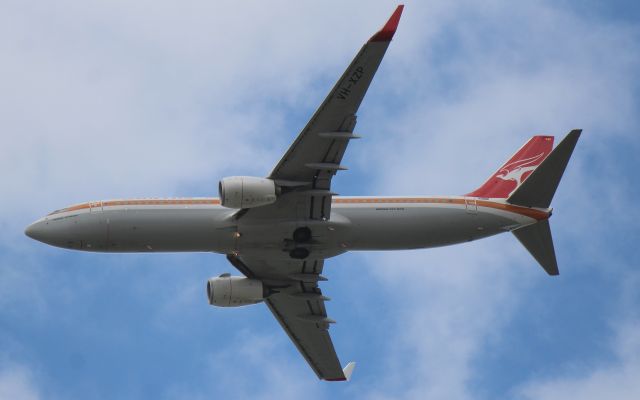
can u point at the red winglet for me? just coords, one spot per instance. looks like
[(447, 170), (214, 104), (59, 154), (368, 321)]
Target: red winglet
[(389, 29)]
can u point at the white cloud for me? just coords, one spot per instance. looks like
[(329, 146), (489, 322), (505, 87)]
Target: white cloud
[(252, 366), (514, 73), (145, 99), (140, 99), (553, 73), (451, 303), (16, 383), (613, 380)]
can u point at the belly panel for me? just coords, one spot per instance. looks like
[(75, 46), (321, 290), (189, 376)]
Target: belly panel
[(167, 230), (413, 227)]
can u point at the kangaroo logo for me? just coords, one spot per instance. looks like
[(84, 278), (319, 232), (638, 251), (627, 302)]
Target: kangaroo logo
[(514, 171)]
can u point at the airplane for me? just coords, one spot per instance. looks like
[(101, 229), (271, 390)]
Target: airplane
[(279, 230)]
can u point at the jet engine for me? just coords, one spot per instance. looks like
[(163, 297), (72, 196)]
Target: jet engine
[(234, 291), (246, 192)]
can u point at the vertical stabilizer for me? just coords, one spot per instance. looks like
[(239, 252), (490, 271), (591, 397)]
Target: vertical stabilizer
[(537, 240), (538, 191), (539, 188), (515, 171)]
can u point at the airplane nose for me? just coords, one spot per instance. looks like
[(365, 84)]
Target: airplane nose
[(35, 231)]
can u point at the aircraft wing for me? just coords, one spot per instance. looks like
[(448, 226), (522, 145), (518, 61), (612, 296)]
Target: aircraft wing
[(315, 156), (304, 175), (299, 308)]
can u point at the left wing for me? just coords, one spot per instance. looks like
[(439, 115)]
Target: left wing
[(315, 156), (298, 305)]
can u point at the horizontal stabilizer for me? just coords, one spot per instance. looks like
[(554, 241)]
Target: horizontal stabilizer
[(541, 185), (537, 240)]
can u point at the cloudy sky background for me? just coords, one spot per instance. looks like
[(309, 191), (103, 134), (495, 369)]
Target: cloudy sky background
[(112, 99)]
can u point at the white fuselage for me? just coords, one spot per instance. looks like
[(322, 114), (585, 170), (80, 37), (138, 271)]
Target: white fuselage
[(202, 224)]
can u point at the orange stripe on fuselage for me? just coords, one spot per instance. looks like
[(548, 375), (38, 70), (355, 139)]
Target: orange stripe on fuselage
[(139, 202), (529, 212)]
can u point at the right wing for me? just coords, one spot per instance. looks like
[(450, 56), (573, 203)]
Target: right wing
[(306, 323)]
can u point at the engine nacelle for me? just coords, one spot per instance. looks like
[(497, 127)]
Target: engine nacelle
[(246, 192), (234, 291)]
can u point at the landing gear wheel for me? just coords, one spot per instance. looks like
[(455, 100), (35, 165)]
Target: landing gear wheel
[(302, 235), (299, 253)]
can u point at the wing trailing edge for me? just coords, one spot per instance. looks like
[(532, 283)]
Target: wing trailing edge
[(346, 371)]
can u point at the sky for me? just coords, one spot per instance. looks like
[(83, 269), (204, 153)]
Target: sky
[(122, 99)]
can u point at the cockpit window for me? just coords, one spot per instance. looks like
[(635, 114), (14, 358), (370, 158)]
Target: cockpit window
[(57, 211)]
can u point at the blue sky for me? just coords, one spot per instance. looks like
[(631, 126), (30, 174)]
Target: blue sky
[(119, 99)]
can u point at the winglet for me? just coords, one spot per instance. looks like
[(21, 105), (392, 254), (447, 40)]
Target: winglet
[(389, 29), (348, 370)]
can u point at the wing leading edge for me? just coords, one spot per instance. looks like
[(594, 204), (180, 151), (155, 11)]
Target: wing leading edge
[(321, 144), (315, 155)]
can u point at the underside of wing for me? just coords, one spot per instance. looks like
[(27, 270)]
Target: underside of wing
[(309, 331), (316, 155), (298, 304), (290, 265)]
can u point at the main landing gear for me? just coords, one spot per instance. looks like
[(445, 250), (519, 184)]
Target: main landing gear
[(300, 236)]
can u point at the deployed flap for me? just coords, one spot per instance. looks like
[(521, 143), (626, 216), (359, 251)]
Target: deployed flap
[(537, 240), (539, 188)]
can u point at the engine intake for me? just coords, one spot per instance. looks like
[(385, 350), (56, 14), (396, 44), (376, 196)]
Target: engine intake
[(234, 291), (246, 192)]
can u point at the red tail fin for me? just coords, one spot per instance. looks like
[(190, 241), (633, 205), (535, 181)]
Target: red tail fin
[(511, 175)]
